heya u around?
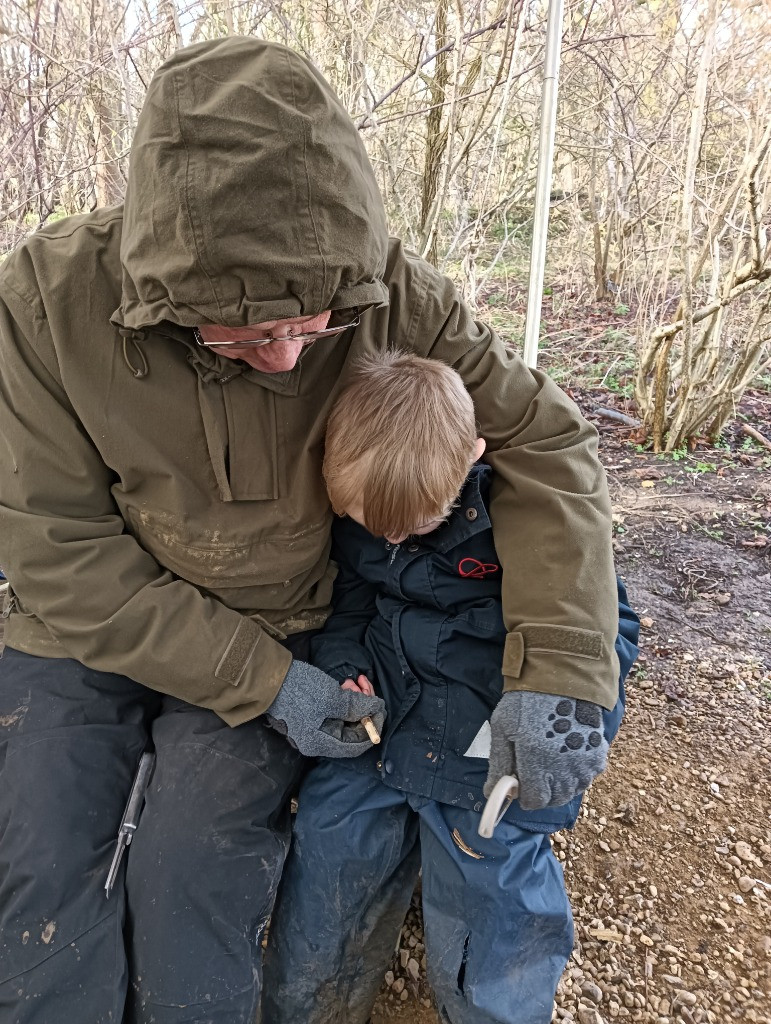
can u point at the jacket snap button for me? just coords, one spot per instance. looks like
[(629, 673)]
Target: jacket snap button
[(413, 547), (471, 514), (379, 766), (388, 546)]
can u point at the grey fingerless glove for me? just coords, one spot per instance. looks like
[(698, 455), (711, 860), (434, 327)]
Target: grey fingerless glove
[(319, 718), (554, 746)]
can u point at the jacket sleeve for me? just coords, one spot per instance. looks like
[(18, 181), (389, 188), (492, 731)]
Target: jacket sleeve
[(339, 649), (628, 637), (61, 536), (550, 506)]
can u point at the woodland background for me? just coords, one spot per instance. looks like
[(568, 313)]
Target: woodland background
[(661, 187)]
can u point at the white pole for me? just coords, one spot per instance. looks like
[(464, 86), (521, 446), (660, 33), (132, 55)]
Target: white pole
[(551, 72)]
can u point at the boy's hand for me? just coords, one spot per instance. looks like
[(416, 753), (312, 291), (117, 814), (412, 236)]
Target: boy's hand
[(362, 685), (554, 745), (320, 718)]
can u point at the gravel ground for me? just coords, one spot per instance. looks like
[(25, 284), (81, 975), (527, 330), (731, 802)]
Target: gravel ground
[(668, 868)]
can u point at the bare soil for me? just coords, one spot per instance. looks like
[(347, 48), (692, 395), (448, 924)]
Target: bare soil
[(669, 867)]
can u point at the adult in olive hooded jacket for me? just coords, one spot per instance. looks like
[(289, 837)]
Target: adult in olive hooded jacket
[(165, 527)]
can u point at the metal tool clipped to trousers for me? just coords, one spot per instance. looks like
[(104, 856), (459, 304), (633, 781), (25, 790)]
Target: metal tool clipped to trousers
[(130, 820), (504, 791)]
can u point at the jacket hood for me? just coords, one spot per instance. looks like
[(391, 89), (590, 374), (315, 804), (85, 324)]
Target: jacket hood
[(250, 195)]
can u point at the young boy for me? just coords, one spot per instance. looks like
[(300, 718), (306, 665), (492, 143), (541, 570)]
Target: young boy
[(417, 615)]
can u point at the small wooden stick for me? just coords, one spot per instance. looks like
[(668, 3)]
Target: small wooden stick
[(620, 417), (372, 732), (756, 434)]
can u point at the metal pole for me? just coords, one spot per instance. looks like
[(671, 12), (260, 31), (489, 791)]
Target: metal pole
[(551, 72)]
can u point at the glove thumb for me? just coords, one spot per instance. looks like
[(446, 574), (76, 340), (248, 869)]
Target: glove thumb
[(502, 760)]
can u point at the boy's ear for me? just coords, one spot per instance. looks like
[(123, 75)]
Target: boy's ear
[(479, 450)]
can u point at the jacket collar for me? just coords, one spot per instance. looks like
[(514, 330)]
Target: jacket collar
[(469, 516)]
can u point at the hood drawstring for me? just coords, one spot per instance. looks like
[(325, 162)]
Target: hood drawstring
[(131, 335), (209, 366)]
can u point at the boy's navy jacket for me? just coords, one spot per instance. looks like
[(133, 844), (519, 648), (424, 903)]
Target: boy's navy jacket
[(423, 621)]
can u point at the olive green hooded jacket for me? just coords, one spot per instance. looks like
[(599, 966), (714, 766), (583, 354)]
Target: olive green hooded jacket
[(163, 511)]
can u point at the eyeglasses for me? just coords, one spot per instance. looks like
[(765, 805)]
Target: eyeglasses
[(328, 332)]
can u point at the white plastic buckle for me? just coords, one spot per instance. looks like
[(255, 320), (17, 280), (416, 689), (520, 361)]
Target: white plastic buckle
[(504, 791)]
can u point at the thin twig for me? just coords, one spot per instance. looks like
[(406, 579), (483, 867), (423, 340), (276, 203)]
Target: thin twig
[(427, 60)]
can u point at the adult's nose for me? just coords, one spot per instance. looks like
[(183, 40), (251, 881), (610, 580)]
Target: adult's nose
[(282, 331)]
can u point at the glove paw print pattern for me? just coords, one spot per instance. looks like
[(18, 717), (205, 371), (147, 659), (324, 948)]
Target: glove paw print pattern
[(571, 713)]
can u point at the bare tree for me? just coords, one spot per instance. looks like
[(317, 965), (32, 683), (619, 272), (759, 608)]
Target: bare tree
[(661, 166)]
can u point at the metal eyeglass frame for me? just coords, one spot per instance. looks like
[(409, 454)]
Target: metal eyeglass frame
[(328, 332)]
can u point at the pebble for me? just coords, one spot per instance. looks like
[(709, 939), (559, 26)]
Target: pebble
[(413, 969), (592, 991), (684, 998), (745, 883), (588, 1015), (744, 851)]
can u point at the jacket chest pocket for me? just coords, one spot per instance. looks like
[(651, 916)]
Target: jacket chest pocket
[(242, 437), (460, 579), (416, 632)]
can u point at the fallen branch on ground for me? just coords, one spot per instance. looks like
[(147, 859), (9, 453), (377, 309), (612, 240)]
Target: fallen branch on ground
[(611, 414), (756, 434)]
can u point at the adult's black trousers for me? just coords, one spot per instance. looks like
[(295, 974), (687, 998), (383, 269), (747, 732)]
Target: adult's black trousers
[(179, 939)]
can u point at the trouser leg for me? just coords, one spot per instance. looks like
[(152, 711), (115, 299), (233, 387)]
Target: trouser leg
[(498, 925), (347, 885), (70, 740), (204, 867)]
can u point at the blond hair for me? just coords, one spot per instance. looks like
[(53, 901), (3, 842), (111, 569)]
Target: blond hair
[(401, 437)]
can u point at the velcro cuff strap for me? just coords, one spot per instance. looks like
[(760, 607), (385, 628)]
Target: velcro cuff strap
[(513, 655), (539, 638), (238, 652)]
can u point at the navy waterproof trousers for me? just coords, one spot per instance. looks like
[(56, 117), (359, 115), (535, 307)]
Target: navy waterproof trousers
[(498, 926), (179, 939)]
